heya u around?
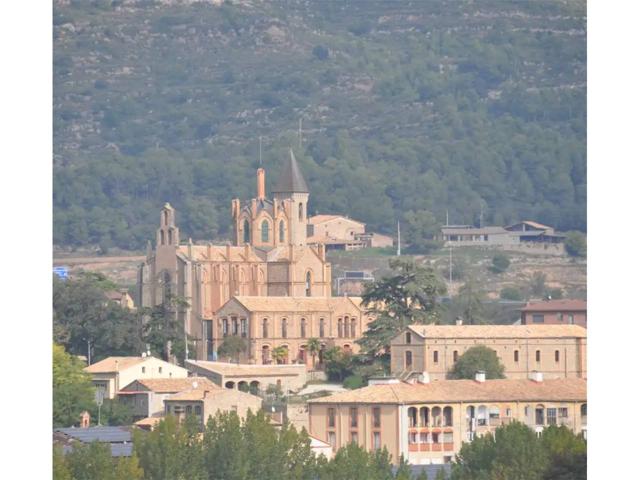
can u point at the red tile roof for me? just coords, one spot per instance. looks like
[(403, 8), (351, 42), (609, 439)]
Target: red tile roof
[(568, 305)]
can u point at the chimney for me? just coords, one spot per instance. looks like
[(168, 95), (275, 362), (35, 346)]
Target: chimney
[(459, 321), (260, 182), (481, 376), (424, 377), (536, 376)]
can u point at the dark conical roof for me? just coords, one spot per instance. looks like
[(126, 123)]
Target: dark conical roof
[(291, 179)]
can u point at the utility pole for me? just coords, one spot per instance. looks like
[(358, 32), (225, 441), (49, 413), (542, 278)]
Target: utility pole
[(88, 352), (399, 250), (447, 222)]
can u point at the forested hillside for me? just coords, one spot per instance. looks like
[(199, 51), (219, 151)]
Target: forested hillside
[(408, 109)]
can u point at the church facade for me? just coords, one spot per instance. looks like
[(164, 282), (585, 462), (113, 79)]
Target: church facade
[(269, 257)]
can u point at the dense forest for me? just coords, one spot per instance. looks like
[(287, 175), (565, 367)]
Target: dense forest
[(408, 109)]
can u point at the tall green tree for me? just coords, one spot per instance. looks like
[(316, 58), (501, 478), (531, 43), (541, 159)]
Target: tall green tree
[(575, 244), (421, 231), (88, 324), (91, 461), (163, 331), (73, 391), (232, 347), (477, 358), (61, 469), (469, 305), (407, 296), (512, 452)]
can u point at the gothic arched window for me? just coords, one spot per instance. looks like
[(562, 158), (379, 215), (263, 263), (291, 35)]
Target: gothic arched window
[(264, 228), (300, 212), (246, 231), (353, 328), (281, 231), (339, 328)]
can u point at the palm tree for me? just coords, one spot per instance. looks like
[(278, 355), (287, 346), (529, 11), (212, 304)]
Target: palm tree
[(313, 347), (279, 354)]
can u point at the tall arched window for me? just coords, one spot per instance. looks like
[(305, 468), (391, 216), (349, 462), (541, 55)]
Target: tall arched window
[(246, 232), (424, 416), (303, 328), (436, 417), (161, 237), (265, 328), (264, 229), (166, 217), (408, 359), (300, 212), (321, 335), (447, 413), (281, 231), (284, 328), (353, 328), (307, 284), (339, 328), (413, 416)]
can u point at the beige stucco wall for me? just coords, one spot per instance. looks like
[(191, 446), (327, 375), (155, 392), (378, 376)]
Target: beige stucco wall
[(395, 426), (340, 228), (572, 355)]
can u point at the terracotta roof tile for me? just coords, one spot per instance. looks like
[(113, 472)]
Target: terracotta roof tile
[(207, 395), (297, 304), (569, 389), (168, 385), (567, 305), (112, 364), (234, 369), (499, 331)]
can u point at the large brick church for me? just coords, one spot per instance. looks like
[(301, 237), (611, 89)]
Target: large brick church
[(270, 257)]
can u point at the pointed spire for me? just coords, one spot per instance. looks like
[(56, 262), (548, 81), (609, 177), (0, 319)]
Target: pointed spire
[(291, 179)]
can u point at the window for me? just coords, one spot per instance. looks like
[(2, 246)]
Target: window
[(225, 327), (339, 328), (161, 237), (413, 438), (300, 212), (424, 416), (447, 437), (407, 337), (284, 328), (234, 325), (408, 359), (507, 412), (331, 439), (551, 416), (265, 328), (354, 437), (189, 409), (448, 459), (413, 417), (563, 412), (455, 355), (281, 231), (208, 331), (447, 414), (377, 441), (144, 369), (321, 335), (538, 318), (539, 415), (198, 410), (482, 416), (243, 327), (435, 356), (303, 328), (424, 437), (264, 231), (331, 414), (376, 417), (353, 328), (516, 356), (494, 416), (353, 416), (308, 284), (571, 321), (436, 418), (435, 437), (246, 231), (537, 355), (159, 369), (557, 356), (559, 317)]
